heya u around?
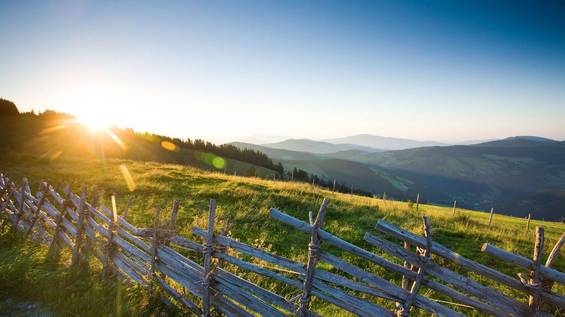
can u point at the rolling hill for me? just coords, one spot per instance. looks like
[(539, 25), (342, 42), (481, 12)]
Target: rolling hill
[(338, 166), (278, 154), (350, 173), (517, 175), (510, 174)]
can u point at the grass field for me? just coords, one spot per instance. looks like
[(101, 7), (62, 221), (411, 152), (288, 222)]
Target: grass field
[(246, 202)]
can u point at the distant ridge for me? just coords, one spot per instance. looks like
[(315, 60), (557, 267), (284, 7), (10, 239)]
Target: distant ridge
[(318, 147), (279, 154), (518, 141), (383, 143)]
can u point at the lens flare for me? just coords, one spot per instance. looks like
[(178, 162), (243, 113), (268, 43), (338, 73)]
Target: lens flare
[(218, 162), (116, 139), (127, 177), (169, 146)]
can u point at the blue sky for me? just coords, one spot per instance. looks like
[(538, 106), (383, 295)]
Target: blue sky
[(221, 70)]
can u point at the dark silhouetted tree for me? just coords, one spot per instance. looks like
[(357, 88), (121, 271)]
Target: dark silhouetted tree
[(8, 108)]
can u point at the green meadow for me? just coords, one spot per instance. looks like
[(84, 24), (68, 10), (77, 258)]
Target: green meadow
[(25, 273)]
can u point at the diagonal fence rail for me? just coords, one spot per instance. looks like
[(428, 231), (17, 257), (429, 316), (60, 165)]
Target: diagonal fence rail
[(206, 281)]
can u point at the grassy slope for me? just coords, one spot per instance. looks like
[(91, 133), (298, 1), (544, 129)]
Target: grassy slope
[(50, 139), (246, 202)]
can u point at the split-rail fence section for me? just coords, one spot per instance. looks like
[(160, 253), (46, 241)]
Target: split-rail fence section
[(202, 283)]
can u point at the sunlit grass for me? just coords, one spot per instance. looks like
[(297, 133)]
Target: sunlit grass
[(246, 201)]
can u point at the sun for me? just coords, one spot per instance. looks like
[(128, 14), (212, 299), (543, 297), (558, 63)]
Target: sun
[(94, 123)]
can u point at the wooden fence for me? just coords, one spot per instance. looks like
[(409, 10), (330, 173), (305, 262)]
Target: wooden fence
[(202, 282)]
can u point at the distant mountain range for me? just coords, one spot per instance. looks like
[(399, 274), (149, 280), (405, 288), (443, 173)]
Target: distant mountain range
[(363, 142), (515, 175), (381, 142), (317, 147)]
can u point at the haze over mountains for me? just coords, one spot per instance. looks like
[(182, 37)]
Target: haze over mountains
[(518, 174), (363, 142), (381, 142), (318, 147)]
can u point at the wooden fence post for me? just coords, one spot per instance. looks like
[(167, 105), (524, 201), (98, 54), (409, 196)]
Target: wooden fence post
[(125, 214), (154, 247), (454, 207), (548, 284), (528, 224), (174, 211), (221, 248), (21, 206), (25, 185), (490, 217), (171, 226), (405, 279), (80, 228), (36, 211), (313, 258), (2, 205), (94, 198), (534, 300), (417, 201), (425, 257), (59, 222), (110, 246), (208, 249)]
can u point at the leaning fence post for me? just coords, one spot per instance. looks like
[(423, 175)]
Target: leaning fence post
[(454, 207), (490, 217), (313, 258), (425, 257), (417, 201), (534, 300), (405, 279), (223, 232), (174, 212), (155, 246), (25, 185), (528, 224), (548, 284), (80, 228), (208, 249), (60, 217), (36, 213), (2, 193), (172, 225), (94, 198), (125, 214), (110, 247), (21, 206)]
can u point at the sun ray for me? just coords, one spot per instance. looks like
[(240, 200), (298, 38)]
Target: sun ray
[(116, 139), (127, 177)]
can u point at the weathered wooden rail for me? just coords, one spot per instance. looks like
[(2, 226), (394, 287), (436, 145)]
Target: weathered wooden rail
[(202, 281)]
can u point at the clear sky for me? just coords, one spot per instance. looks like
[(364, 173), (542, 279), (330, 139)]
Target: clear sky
[(443, 70)]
